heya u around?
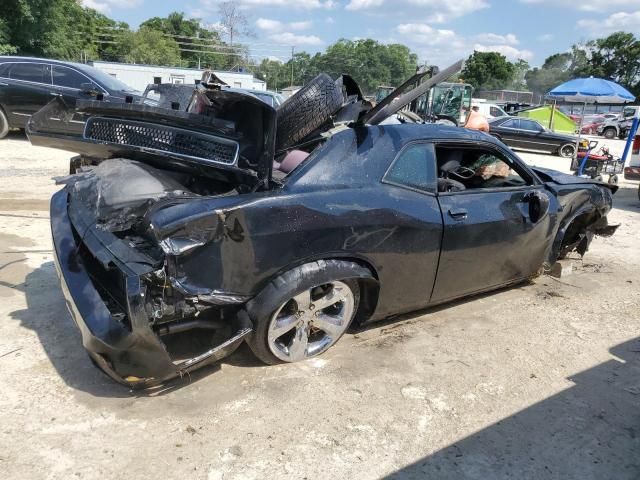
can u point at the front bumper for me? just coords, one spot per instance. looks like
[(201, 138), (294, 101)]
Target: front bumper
[(129, 352)]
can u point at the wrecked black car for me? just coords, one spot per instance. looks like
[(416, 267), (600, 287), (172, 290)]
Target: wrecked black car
[(211, 219)]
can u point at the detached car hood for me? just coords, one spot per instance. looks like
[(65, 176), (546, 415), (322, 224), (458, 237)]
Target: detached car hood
[(214, 132), (548, 175)]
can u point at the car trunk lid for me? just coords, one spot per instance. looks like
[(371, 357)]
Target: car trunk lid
[(215, 133)]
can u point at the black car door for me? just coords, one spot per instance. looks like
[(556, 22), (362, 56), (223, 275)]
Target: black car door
[(535, 137), (509, 132), (68, 84), (28, 89), (491, 234)]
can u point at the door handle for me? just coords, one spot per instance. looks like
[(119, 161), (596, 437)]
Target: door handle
[(458, 213), (55, 94)]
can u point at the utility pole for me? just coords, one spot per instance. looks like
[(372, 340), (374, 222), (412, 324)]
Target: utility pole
[(292, 50)]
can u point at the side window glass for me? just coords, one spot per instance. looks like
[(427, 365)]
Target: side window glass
[(414, 168), (531, 126), (477, 168), (32, 72), (66, 77), (513, 123)]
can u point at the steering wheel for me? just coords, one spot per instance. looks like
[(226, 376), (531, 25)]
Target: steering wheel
[(464, 173)]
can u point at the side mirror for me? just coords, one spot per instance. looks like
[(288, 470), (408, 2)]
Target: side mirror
[(89, 89), (538, 206)]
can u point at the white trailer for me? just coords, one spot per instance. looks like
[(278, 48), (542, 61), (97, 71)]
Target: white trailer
[(139, 76)]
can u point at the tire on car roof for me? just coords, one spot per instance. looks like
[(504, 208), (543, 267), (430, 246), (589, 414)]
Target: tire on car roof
[(308, 109)]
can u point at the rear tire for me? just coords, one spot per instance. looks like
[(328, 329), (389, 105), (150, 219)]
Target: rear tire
[(268, 309), (609, 133), (567, 150), (307, 110), (4, 124)]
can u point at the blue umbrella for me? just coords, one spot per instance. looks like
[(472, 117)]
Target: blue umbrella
[(593, 90)]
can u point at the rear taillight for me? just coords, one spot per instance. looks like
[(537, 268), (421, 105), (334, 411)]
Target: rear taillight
[(635, 150)]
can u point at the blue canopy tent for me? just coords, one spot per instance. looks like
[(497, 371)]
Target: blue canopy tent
[(593, 90)]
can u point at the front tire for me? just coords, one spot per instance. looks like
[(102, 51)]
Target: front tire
[(567, 150), (4, 124), (609, 133), (305, 311)]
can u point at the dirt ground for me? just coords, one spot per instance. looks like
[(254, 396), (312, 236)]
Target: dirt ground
[(532, 382)]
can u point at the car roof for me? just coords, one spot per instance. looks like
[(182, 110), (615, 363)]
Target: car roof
[(434, 131), (4, 59)]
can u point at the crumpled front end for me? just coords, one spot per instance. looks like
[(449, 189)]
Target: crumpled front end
[(136, 323)]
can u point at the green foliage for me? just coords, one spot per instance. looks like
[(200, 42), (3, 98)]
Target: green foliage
[(488, 71), (370, 63), (152, 47), (197, 44)]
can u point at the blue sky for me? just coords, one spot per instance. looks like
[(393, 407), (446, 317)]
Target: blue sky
[(439, 31)]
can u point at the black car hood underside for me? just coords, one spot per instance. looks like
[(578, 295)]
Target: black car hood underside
[(231, 133)]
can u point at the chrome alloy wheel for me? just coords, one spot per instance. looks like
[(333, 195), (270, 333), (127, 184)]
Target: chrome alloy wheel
[(311, 322)]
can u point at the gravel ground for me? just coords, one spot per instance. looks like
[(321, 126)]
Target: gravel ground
[(537, 381)]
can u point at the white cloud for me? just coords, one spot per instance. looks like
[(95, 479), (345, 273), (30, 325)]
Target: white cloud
[(545, 37), (288, 38), (437, 11), (589, 5), (105, 6), (363, 4), (305, 25), (508, 51), (211, 6), (443, 46), (615, 21), (508, 39), (267, 24)]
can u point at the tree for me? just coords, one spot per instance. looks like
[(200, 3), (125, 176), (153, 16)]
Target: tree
[(488, 71), (233, 21), (616, 57), (152, 47), (520, 69), (198, 45)]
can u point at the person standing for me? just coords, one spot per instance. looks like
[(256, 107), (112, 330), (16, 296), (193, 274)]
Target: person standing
[(476, 120)]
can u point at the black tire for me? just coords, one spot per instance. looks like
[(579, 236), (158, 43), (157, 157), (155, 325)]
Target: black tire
[(638, 192), (4, 124), (290, 284), (567, 150), (307, 110), (609, 133)]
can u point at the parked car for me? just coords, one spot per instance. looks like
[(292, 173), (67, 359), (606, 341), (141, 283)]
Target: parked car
[(489, 110), (28, 84), (527, 134), (619, 126), (185, 223), (590, 124)]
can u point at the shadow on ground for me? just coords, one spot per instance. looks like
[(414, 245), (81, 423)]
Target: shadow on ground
[(589, 431), (46, 314)]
